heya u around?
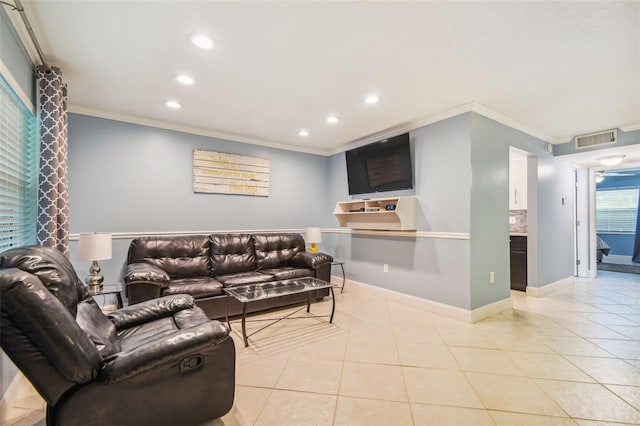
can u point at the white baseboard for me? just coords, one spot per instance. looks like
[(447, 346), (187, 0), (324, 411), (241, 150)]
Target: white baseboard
[(450, 311), (478, 314), (551, 287)]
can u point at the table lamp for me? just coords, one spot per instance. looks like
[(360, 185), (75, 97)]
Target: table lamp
[(94, 247), (313, 236)]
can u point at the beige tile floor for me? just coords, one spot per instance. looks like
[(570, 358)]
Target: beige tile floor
[(572, 357)]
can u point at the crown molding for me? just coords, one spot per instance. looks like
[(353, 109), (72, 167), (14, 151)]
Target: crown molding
[(404, 128), (476, 107), (509, 122), (394, 131), (76, 109)]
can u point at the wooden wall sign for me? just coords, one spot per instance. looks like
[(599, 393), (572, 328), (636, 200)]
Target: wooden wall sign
[(219, 173)]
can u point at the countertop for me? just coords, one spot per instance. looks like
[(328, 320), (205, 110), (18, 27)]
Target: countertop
[(517, 234)]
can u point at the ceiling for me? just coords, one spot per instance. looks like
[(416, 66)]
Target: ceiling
[(560, 68)]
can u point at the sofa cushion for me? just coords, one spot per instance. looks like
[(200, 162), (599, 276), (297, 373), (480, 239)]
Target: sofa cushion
[(276, 250), (232, 253), (198, 287), (243, 278), (288, 272), (178, 256)]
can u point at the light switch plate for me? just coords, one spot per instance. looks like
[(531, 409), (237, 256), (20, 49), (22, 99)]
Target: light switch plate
[(512, 220)]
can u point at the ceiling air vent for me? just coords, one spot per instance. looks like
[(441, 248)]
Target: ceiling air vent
[(597, 139)]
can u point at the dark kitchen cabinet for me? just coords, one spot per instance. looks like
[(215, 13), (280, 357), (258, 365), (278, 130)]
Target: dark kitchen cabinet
[(518, 251)]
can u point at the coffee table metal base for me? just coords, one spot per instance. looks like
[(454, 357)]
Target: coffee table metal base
[(245, 337)]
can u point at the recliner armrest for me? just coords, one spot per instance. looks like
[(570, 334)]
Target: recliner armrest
[(169, 348), (311, 260), (150, 310), (146, 273)]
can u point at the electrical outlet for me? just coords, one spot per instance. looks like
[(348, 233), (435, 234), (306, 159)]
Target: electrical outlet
[(385, 268), (492, 277)]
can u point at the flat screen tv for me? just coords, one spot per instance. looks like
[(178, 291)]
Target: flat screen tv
[(380, 166)]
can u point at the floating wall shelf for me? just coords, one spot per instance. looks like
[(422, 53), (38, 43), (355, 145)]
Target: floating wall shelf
[(387, 214)]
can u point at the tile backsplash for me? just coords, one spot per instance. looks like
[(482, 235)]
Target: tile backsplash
[(521, 221)]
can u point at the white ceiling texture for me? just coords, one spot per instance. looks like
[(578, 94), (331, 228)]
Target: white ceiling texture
[(557, 68)]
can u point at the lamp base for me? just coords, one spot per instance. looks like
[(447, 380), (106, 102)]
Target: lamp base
[(94, 279), (313, 248)]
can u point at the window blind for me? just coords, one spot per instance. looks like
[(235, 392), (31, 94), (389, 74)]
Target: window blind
[(18, 170), (617, 210)]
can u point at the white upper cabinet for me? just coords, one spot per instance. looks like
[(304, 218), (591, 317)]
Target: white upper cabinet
[(517, 180)]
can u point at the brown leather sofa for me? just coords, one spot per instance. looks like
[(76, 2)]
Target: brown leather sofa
[(203, 265), (160, 362)]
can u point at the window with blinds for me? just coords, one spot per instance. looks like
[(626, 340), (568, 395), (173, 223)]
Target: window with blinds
[(617, 210), (18, 170)]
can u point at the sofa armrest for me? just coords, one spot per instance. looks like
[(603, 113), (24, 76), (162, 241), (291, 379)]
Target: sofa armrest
[(170, 348), (150, 310), (311, 260), (146, 273)]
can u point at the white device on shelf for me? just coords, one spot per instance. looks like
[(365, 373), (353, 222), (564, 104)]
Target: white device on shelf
[(386, 214)]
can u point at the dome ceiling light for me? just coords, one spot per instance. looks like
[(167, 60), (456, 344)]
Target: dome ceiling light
[(611, 160)]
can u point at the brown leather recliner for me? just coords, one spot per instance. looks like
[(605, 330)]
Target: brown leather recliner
[(158, 362)]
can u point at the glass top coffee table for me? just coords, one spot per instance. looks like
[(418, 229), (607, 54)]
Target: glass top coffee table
[(246, 294)]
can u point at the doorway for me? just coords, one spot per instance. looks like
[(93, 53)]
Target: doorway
[(522, 218), (616, 211)]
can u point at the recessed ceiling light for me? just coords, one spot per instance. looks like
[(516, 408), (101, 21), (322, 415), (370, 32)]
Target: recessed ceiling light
[(332, 119), (173, 104), (372, 99), (185, 79), (303, 132), (202, 41)]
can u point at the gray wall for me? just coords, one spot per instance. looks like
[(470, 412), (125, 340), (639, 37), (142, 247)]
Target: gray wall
[(17, 61), (126, 177), (461, 168), (550, 224), (489, 210), (555, 223), (435, 269)]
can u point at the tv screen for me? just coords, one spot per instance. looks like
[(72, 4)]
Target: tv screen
[(380, 166)]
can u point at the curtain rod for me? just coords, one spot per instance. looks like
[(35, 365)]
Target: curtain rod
[(18, 7)]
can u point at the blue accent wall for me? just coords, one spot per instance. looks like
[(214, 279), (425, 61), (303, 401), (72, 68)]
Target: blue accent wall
[(127, 177)]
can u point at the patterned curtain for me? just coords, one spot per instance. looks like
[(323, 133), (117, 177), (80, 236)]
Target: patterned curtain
[(53, 204)]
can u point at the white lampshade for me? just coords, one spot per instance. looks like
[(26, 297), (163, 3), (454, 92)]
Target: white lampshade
[(96, 246), (314, 235)]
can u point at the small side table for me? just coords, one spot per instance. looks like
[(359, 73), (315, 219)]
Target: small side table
[(107, 289), (341, 264)]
